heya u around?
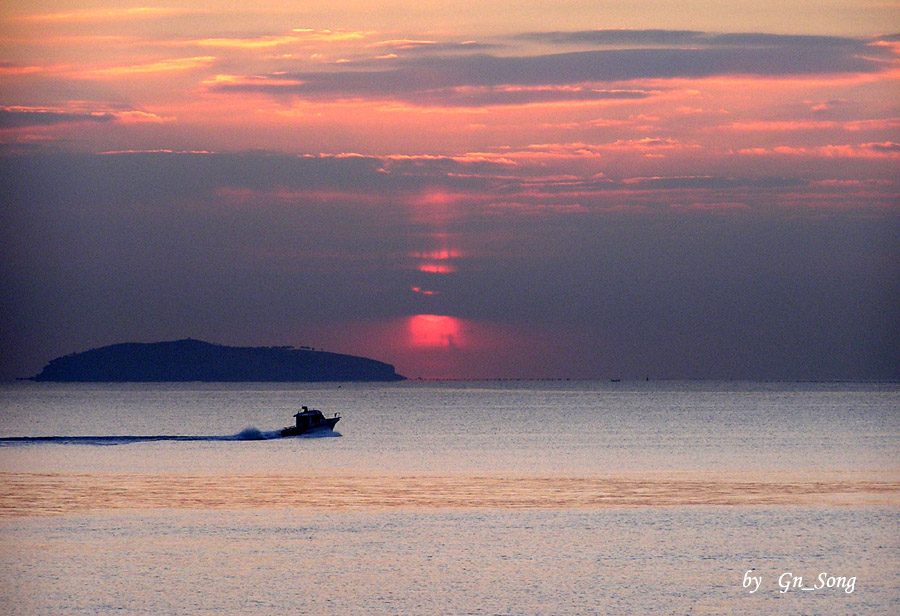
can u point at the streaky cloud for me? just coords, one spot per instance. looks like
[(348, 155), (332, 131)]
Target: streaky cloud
[(429, 79), (656, 37), (432, 47), (756, 39), (613, 37), (24, 118), (887, 146), (487, 96), (713, 182)]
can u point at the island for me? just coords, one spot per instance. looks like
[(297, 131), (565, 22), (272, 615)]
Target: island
[(195, 360)]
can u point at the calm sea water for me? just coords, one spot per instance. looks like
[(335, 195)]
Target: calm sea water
[(451, 498)]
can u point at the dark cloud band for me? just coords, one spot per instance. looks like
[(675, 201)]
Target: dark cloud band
[(436, 80), (13, 118)]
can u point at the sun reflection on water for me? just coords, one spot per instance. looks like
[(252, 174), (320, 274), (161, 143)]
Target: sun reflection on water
[(43, 494)]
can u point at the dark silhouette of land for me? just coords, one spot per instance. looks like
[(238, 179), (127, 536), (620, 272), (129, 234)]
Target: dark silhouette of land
[(195, 360)]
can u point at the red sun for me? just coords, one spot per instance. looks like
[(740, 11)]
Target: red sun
[(435, 331)]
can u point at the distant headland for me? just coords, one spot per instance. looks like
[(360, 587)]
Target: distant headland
[(195, 360)]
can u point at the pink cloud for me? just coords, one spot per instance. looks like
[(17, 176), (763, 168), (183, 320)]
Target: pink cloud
[(812, 125)]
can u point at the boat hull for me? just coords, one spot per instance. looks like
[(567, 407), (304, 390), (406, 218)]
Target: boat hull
[(327, 424)]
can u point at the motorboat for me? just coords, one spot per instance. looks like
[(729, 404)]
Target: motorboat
[(310, 419)]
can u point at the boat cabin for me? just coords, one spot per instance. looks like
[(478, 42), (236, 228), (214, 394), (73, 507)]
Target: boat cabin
[(309, 418)]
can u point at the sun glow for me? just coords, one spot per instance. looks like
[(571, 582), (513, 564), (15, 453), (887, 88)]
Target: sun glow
[(436, 268), (438, 254), (435, 331), (422, 291)]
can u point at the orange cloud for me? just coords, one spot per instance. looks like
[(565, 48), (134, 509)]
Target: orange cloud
[(12, 70), (261, 42), (297, 36), (140, 117), (161, 66), (242, 80), (332, 35)]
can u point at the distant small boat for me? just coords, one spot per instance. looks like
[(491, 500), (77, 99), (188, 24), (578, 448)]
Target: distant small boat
[(310, 419)]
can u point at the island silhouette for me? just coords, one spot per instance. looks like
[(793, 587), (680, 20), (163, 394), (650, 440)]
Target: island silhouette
[(196, 360)]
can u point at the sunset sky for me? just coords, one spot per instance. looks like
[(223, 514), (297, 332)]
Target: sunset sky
[(597, 189)]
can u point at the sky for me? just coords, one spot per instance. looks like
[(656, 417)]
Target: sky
[(532, 189)]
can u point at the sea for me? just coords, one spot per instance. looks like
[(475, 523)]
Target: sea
[(451, 498)]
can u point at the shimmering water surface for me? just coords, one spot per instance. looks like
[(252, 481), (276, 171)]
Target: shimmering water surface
[(451, 498)]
